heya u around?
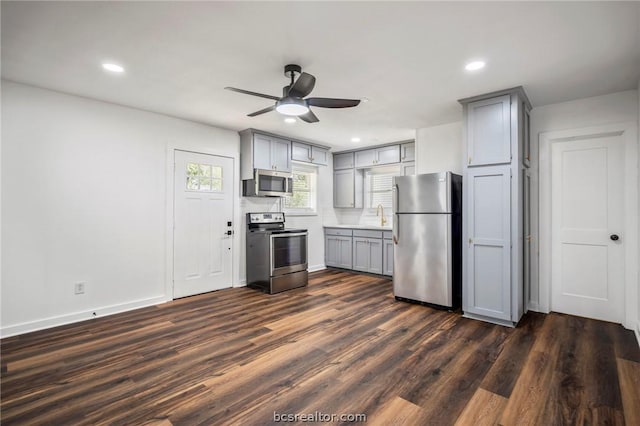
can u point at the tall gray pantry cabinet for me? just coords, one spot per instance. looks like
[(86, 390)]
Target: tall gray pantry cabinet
[(496, 252)]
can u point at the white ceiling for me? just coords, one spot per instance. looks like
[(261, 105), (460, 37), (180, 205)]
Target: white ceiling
[(407, 58)]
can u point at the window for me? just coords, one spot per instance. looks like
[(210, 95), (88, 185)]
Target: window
[(378, 185), (304, 198), (204, 177)]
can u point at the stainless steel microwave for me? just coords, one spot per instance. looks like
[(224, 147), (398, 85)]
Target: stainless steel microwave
[(268, 183)]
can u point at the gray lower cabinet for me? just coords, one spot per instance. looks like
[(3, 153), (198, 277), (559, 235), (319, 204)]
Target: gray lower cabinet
[(338, 248), (387, 256), (367, 255), (363, 250)]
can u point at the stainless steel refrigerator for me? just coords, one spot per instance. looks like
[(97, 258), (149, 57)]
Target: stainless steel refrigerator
[(427, 237)]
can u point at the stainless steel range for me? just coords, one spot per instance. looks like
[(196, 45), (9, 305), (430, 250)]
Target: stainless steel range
[(276, 256)]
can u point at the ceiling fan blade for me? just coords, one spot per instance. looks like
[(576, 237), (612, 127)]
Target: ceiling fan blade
[(303, 86), (309, 117), (246, 92), (262, 111), (332, 103)]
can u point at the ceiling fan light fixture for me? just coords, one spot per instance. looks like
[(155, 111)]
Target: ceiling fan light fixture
[(292, 106)]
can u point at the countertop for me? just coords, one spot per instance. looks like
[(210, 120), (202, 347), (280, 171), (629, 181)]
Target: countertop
[(371, 227)]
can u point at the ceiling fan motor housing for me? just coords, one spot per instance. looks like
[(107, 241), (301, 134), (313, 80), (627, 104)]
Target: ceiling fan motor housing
[(292, 68)]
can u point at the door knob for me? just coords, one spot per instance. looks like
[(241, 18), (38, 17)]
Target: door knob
[(614, 237)]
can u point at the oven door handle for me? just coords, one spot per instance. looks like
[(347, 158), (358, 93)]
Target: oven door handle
[(294, 234)]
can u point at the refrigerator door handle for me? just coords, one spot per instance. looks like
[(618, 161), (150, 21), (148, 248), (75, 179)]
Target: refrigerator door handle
[(396, 220)]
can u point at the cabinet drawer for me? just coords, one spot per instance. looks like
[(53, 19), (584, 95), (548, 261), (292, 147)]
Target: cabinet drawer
[(366, 233), (387, 235), (338, 231)]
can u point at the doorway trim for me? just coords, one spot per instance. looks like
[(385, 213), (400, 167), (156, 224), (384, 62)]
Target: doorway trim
[(628, 132), (169, 206)]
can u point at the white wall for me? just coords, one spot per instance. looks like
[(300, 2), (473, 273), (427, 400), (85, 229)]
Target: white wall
[(84, 199), (612, 108), (638, 321), (439, 148)]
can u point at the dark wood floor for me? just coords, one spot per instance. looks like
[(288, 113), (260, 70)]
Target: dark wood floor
[(343, 345)]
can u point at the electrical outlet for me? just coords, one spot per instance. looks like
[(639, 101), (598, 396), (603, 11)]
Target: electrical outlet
[(78, 287)]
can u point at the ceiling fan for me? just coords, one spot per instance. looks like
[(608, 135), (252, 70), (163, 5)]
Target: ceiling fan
[(292, 101)]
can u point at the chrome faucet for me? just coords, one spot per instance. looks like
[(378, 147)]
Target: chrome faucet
[(379, 209)]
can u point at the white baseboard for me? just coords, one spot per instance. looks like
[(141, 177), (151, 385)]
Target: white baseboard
[(637, 332), (533, 306), (315, 268), (27, 327)]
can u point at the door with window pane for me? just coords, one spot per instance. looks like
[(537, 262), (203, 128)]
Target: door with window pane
[(203, 215)]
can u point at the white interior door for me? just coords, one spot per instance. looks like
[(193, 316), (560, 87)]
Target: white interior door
[(203, 215), (587, 266)]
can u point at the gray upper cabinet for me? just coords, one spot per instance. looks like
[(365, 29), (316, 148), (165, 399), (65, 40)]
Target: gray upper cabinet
[(260, 151), (408, 169), (300, 152), (408, 152), (319, 155), (347, 188), (489, 131), (309, 153), (280, 155), (343, 161), (366, 158), (377, 156)]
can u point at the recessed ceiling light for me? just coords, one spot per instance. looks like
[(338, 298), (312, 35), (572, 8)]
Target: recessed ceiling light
[(290, 120), (112, 67), (475, 65), (355, 139)]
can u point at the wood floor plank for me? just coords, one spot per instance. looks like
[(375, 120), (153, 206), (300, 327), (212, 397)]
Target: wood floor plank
[(484, 409), (532, 387), (502, 376), (629, 377), (398, 412), (341, 345)]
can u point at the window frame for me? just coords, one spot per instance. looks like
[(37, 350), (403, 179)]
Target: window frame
[(393, 170), (313, 192)]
